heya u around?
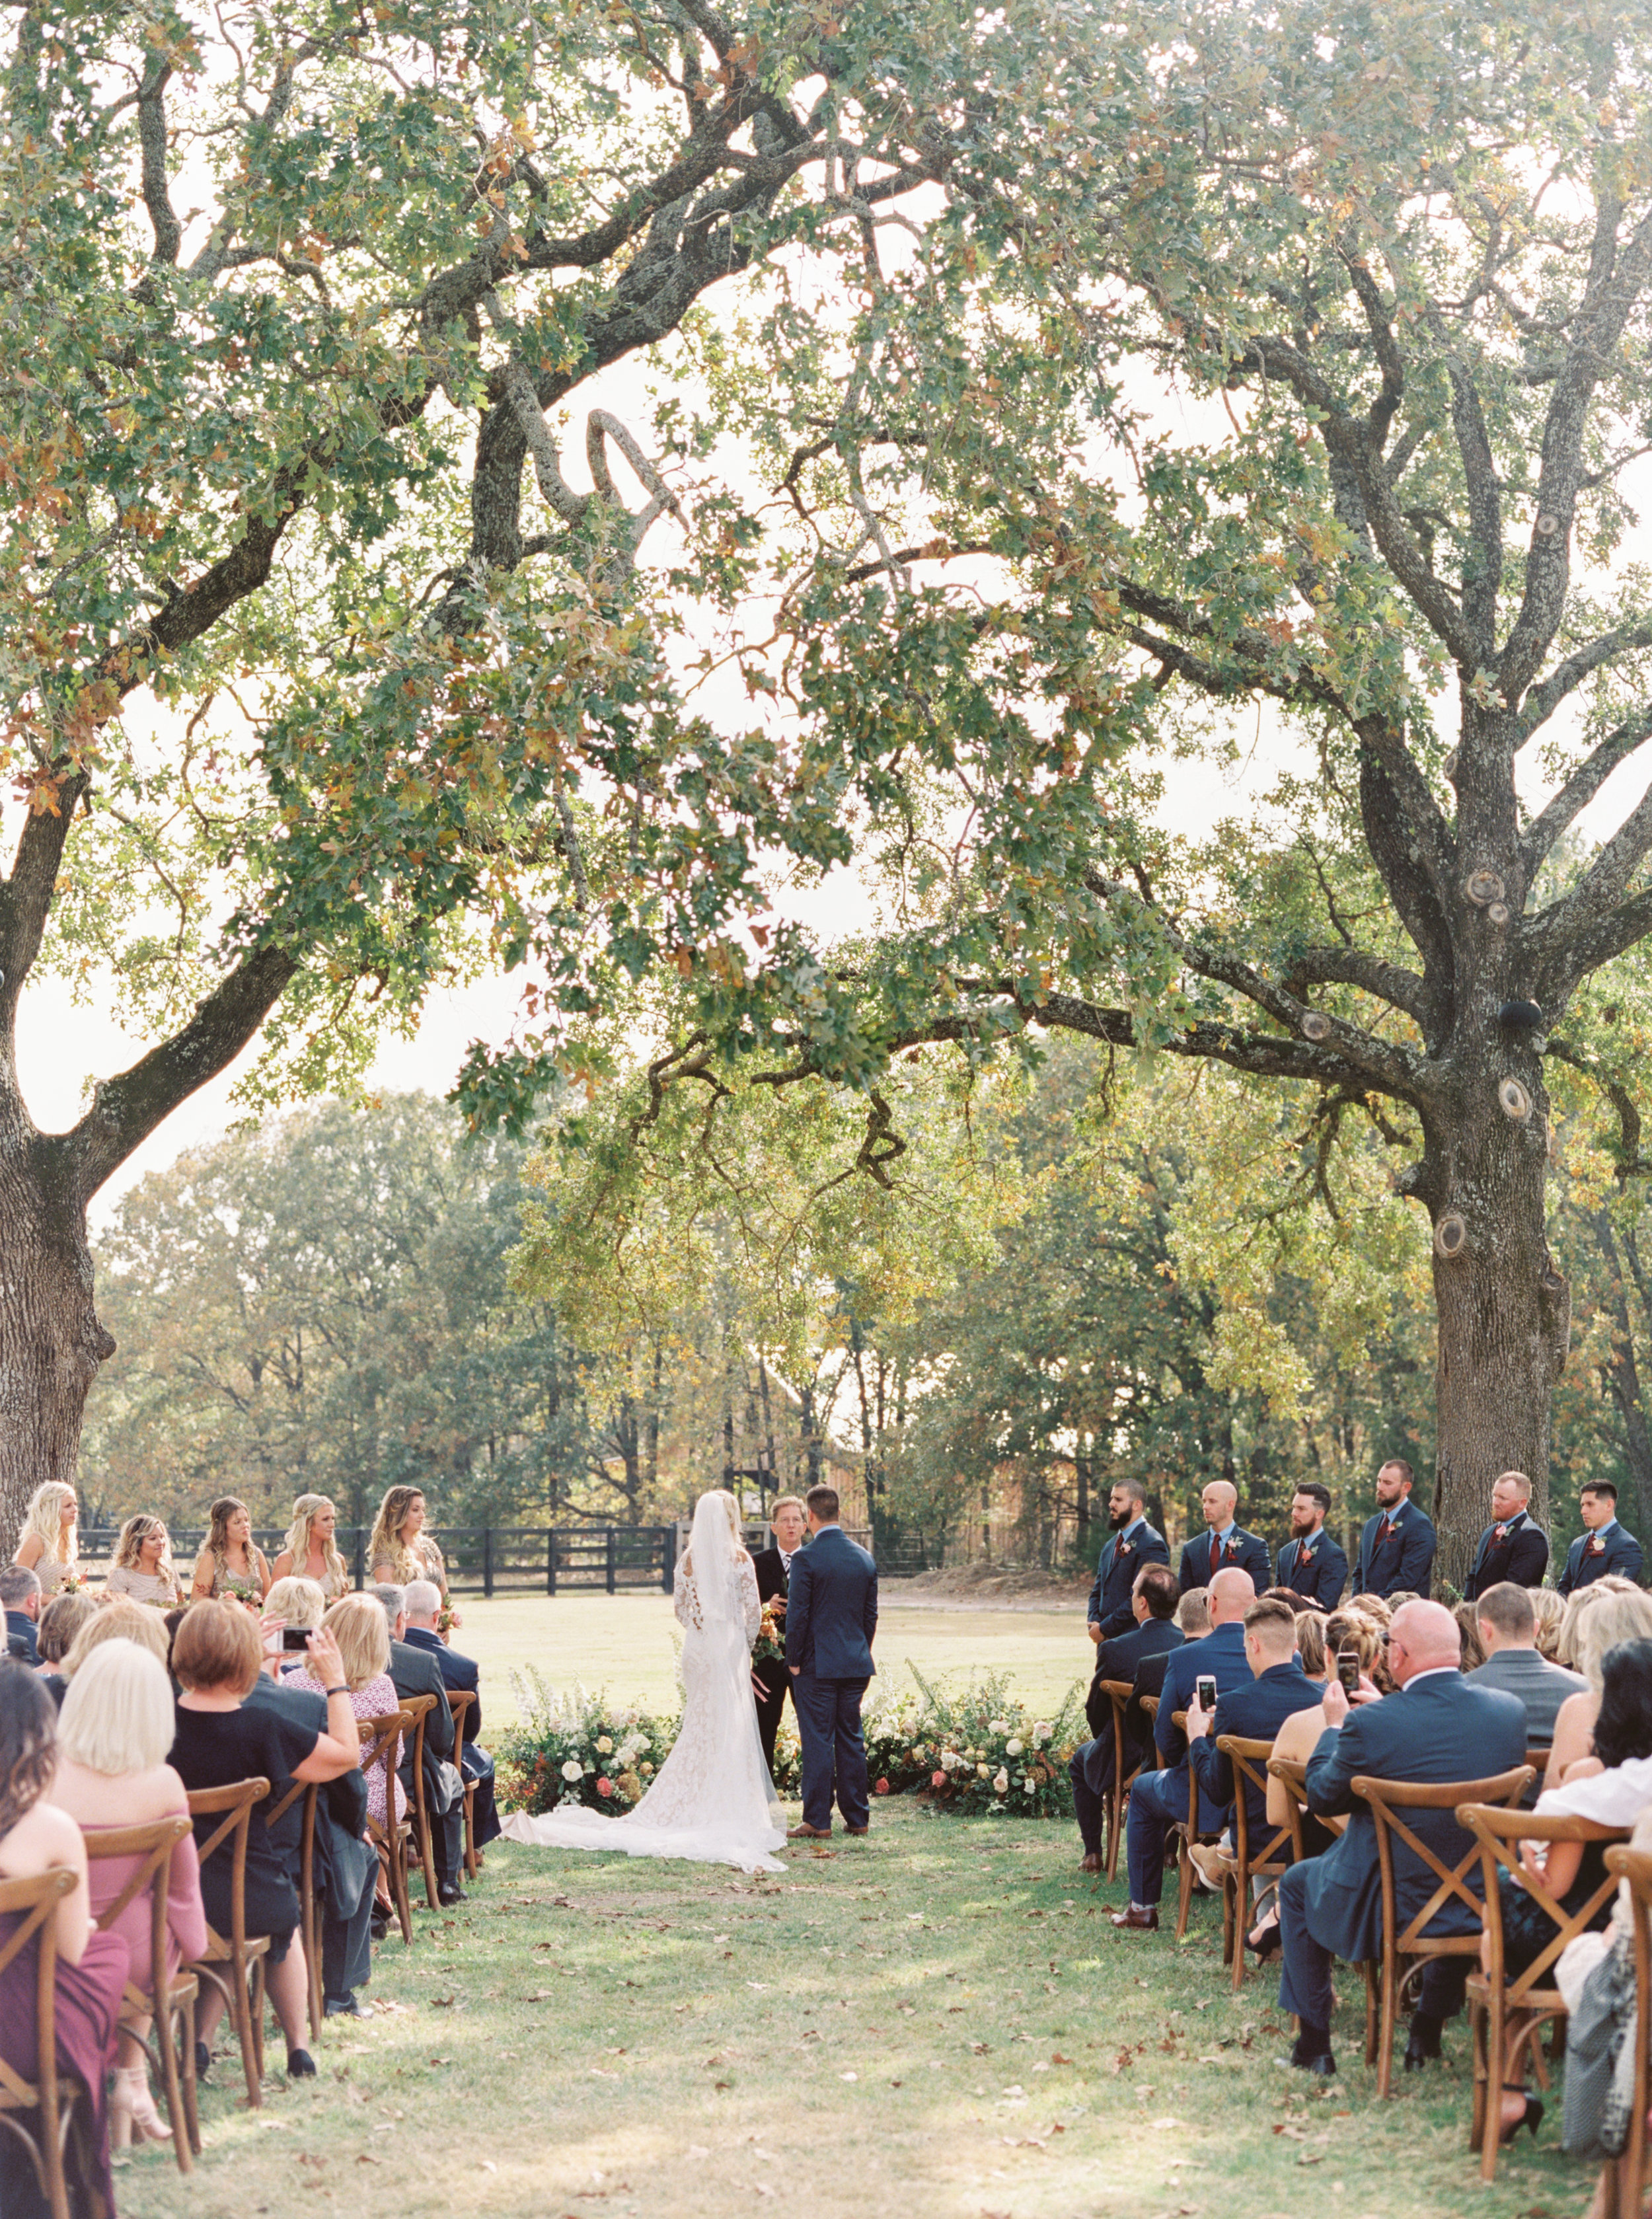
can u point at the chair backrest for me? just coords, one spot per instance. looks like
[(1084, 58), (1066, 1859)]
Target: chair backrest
[(235, 1804), (152, 1844), (1388, 1797), (1634, 1869), (418, 1708), (380, 1739), (35, 1901), (1500, 1832), (459, 1701), (1293, 1778), (1249, 1760)]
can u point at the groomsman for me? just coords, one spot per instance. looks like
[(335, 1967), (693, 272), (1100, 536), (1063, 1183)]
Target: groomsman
[(1603, 1545), (1396, 1550), (1134, 1543), (1311, 1563), (1513, 1548), (1225, 1544), (770, 1680)]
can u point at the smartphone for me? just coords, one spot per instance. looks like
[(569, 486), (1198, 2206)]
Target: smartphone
[(1348, 1669), (296, 1637), (1205, 1686)]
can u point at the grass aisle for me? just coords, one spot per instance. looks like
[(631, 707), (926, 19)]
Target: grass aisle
[(936, 2021)]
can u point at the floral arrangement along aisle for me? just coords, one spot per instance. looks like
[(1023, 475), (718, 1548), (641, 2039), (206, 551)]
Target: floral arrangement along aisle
[(977, 1748), (573, 1746)]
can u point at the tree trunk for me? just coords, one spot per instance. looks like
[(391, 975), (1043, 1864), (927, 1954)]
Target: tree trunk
[(1503, 1312), (51, 1341)]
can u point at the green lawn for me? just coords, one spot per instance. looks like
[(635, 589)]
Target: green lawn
[(624, 1643), (937, 2022)]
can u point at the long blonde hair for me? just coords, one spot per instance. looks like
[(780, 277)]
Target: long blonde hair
[(387, 1545), (43, 1519), (133, 1534), (298, 1539)]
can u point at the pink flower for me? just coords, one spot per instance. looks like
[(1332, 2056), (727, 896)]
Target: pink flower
[(937, 1780), (605, 1786), (883, 1787)]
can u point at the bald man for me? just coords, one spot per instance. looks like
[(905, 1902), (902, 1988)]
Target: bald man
[(1160, 1798), (1224, 1542), (1439, 1727)]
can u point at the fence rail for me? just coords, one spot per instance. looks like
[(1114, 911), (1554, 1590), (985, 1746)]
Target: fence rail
[(490, 1560)]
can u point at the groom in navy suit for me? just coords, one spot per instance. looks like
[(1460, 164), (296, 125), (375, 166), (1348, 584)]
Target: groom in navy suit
[(831, 1615)]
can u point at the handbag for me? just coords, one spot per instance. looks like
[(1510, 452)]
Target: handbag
[(1599, 2093)]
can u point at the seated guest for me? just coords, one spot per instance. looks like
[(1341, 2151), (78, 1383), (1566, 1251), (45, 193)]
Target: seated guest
[(117, 1621), (1508, 1635), (1193, 1624), (20, 1591), (36, 1837), (143, 1567), (475, 1764), (1549, 1609), (1310, 1644), (1471, 1653), (1155, 1633), (415, 1672), (1312, 1564), (1293, 1602), (60, 1621), (1159, 1799), (1279, 1687), (355, 1625), (112, 1739), (222, 1738), (1607, 1616), (1439, 1727), (1614, 1787), (294, 1602)]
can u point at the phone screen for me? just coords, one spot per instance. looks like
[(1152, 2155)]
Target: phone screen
[(1348, 1669), (1206, 1684), (295, 1638)]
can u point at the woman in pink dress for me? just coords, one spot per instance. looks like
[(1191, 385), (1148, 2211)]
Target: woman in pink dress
[(112, 1739), (359, 1626), (35, 1838)]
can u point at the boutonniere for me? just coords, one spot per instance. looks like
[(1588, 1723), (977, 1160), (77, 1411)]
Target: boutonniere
[(1123, 1548), (1230, 1548), (1597, 1547)]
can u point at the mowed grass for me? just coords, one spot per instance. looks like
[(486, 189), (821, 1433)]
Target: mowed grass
[(624, 1643), (936, 2021)]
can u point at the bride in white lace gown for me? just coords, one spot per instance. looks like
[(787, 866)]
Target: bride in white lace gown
[(713, 1800)]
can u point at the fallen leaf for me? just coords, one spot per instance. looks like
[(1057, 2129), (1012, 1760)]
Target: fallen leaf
[(1056, 2058)]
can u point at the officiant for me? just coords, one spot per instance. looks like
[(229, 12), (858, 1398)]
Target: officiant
[(770, 1680)]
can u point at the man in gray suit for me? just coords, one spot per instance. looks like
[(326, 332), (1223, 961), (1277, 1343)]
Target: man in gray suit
[(831, 1615), (1508, 1633)]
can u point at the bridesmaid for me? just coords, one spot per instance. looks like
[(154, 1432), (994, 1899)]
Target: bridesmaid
[(35, 1837), (143, 1564), (400, 1549), (230, 1563), (311, 1552), (49, 1543)]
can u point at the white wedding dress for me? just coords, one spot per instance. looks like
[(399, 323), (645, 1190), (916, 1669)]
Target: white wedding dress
[(713, 1801)]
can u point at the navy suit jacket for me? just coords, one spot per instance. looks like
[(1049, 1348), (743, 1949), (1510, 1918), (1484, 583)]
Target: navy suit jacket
[(831, 1610), (456, 1671), (1117, 1659), (1521, 1556), (1222, 1654), (1248, 1551), (1443, 1727), (1404, 1561), (1322, 1579), (1254, 1713), (413, 1673), (1621, 1554), (20, 1636), (1110, 1604)]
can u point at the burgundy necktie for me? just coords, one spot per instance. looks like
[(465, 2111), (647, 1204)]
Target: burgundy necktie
[(1304, 1555), (1387, 1533), (1215, 1554)]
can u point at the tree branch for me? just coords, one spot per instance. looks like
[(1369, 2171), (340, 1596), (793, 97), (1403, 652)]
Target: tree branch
[(1546, 696), (1580, 789)]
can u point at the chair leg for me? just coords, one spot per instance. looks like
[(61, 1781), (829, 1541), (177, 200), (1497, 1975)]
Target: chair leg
[(1239, 1890), (254, 2019), (426, 1858), (471, 1864), (1389, 2007), (1492, 2123), (399, 1883), (310, 1929), (165, 2037), (51, 2167), (191, 2093), (1481, 2074), (1183, 1888), (241, 2016)]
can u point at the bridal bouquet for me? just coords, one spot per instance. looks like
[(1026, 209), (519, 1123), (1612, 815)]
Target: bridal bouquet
[(771, 1638), (572, 1746)]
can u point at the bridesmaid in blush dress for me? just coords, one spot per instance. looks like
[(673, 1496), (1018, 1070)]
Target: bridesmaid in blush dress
[(35, 1837)]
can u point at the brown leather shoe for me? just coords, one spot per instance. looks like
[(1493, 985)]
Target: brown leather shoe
[(1092, 1864), (808, 1833), (1138, 1922), (858, 1831)]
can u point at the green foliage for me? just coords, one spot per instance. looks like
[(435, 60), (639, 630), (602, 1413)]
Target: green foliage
[(570, 1746), (975, 1748)]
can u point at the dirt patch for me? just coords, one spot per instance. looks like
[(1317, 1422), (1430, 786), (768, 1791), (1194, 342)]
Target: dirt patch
[(984, 1586)]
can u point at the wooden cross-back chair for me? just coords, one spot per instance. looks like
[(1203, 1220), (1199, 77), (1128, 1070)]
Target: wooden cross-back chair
[(1408, 1949), (34, 1903), (309, 1914), (1186, 1831), (1267, 1859), (163, 2001), (382, 1739), (459, 1701), (234, 1963), (1292, 1776), (1500, 2000), (1116, 1796), (1623, 2181), (418, 1708)]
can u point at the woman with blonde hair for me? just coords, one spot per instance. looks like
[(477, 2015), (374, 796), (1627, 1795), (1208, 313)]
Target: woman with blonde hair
[(310, 1552), (1549, 1608), (230, 1563), (49, 1543), (143, 1568), (1310, 1643), (119, 1620), (1613, 1610), (400, 1549), (114, 1738), (357, 1625), (60, 1621)]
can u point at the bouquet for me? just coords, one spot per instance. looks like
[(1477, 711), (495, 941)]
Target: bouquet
[(74, 1582), (975, 1748), (244, 1591), (771, 1637)]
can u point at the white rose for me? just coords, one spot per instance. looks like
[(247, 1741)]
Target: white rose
[(1001, 1783), (573, 1771), (995, 1726), (604, 1745), (1013, 1748), (1029, 1787), (983, 1770)]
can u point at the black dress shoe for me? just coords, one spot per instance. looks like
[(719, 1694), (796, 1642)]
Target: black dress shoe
[(341, 2007), (1322, 2063), (301, 2065), (202, 2061), (1423, 2048), (447, 1896)]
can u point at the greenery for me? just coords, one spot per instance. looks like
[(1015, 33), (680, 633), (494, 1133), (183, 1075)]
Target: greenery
[(975, 1749), (575, 2036)]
